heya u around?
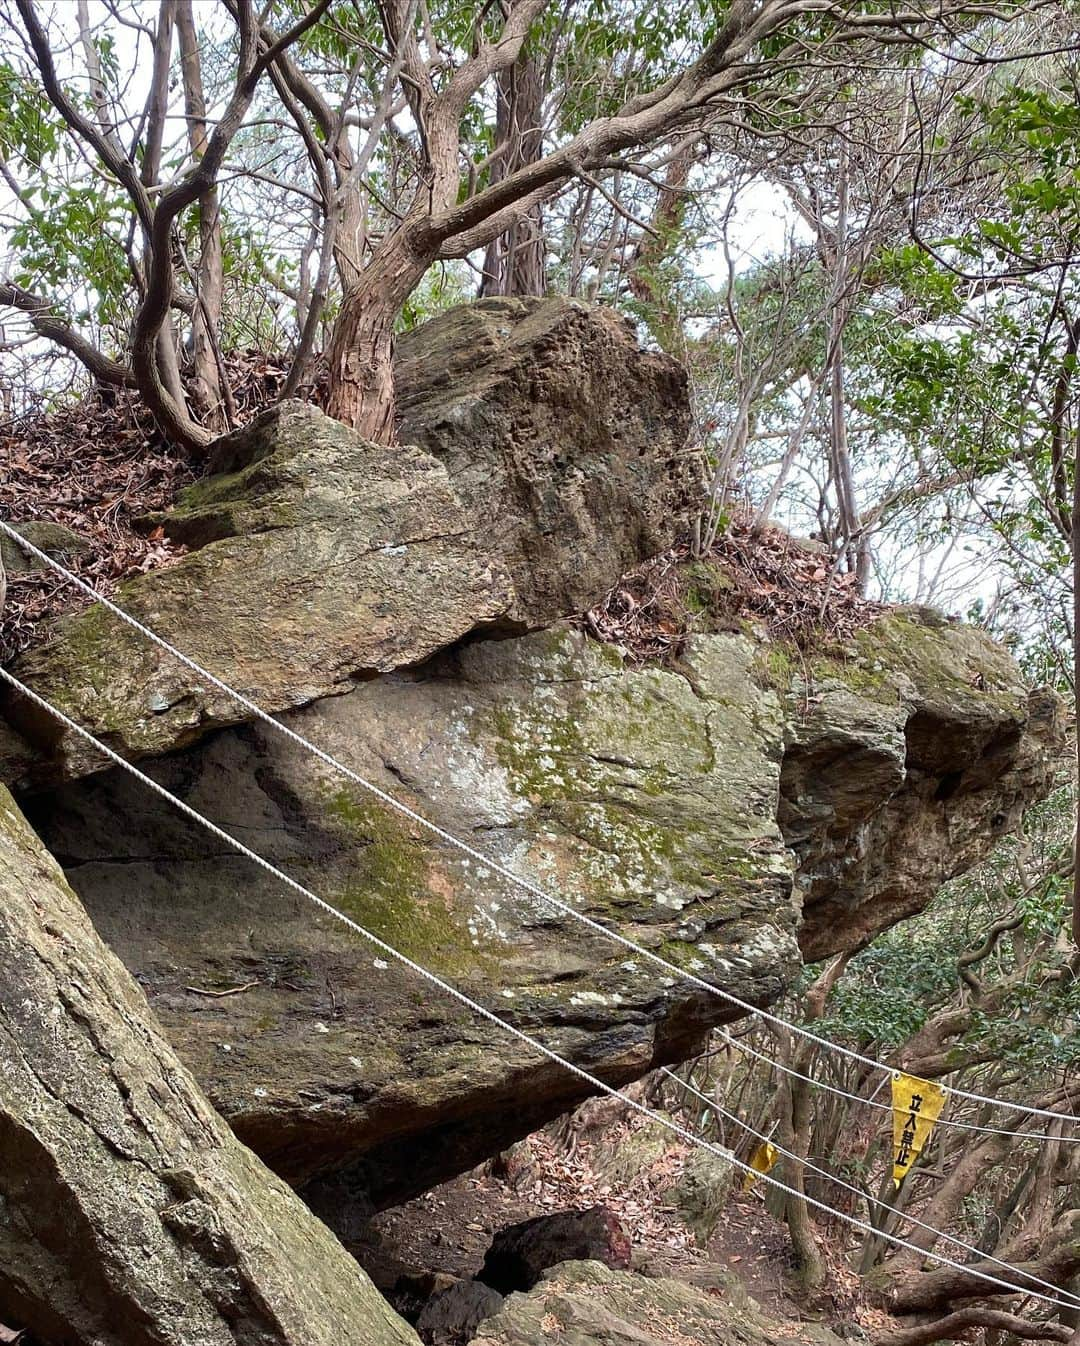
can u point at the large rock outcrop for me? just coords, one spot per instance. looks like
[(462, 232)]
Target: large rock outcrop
[(646, 798), (582, 1303), (734, 812), (719, 812), (551, 456), (566, 444), (129, 1213)]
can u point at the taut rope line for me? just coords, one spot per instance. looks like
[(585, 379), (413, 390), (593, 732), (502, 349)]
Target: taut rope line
[(858, 1191), (658, 1119), (524, 884)]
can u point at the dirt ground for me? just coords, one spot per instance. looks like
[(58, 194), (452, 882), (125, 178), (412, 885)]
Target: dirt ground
[(449, 1229)]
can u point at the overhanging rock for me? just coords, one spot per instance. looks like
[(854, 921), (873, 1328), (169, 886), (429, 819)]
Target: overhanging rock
[(912, 754), (718, 813)]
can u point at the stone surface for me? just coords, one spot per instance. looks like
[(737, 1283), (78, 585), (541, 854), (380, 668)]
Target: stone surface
[(18, 759), (651, 799), (520, 1254), (565, 442), (702, 1192), (914, 754), (551, 457), (320, 557), (129, 1213), (630, 1153), (452, 1315), (589, 1304), (645, 798), (52, 538)]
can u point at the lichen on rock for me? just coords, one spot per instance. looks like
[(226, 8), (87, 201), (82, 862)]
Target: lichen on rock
[(325, 558), (912, 753), (582, 1302), (713, 816)]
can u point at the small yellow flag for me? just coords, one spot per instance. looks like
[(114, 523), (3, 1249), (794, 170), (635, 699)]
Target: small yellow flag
[(917, 1105), (763, 1158)]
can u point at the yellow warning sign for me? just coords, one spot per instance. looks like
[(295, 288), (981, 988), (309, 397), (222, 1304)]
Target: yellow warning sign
[(917, 1105), (763, 1158)]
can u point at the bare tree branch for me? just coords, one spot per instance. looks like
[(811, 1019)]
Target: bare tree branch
[(50, 325)]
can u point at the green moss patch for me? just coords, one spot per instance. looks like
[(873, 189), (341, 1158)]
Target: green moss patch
[(389, 890)]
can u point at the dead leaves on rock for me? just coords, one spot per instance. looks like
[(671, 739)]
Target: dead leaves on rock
[(789, 589), (96, 466)]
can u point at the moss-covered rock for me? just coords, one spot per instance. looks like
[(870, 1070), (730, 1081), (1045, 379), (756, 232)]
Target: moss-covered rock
[(129, 1213), (646, 799), (702, 1192), (543, 454), (587, 1303), (708, 814), (324, 557), (52, 538)]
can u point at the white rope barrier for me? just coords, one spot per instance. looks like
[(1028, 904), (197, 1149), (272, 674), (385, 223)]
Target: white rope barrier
[(657, 1119), (858, 1191), (496, 866)]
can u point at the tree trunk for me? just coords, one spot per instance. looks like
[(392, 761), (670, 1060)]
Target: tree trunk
[(927, 1291), (514, 262), (130, 1215), (964, 1176), (207, 393), (1075, 548), (360, 355), (795, 1131), (669, 214)]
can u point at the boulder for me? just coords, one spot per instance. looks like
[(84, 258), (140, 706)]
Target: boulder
[(565, 442), (320, 557), (628, 1154), (589, 1304), (516, 1166), (129, 1213), (520, 1254), (719, 812), (551, 456), (702, 1191), (452, 1315), (52, 538)]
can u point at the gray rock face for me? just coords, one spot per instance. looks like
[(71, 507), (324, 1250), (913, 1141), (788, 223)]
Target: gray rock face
[(566, 444), (583, 1303), (645, 799), (702, 1191), (716, 813), (52, 538), (902, 770), (129, 1213), (551, 459), (321, 556)]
